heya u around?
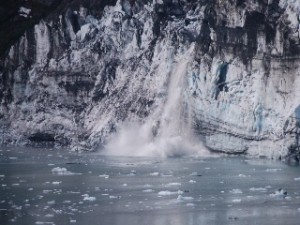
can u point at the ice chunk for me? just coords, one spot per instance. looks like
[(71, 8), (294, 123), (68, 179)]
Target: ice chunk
[(104, 176), (114, 197), (148, 190), (190, 204), (167, 193), (297, 178), (192, 181), (173, 184), (281, 193), (63, 172), (242, 175), (258, 189), (88, 198), (272, 170), (49, 215), (181, 198), (42, 223), (154, 174), (236, 191), (195, 174), (56, 182), (24, 11), (236, 200)]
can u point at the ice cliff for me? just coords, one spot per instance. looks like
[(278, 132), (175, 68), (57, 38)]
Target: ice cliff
[(88, 67)]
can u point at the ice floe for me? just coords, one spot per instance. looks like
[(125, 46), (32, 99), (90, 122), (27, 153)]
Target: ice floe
[(181, 198), (56, 182), (167, 193), (236, 191), (88, 198), (173, 184), (262, 189), (154, 174), (63, 172), (148, 190)]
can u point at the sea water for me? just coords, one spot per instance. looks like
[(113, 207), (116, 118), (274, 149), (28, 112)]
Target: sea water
[(44, 186)]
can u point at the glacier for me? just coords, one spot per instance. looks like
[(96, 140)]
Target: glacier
[(154, 77)]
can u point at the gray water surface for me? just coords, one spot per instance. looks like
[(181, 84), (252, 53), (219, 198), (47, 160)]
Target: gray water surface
[(43, 186)]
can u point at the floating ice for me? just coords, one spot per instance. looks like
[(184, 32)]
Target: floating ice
[(2, 176), (236, 200), (88, 198), (154, 174), (63, 172), (297, 178), (281, 193), (42, 223), (181, 198), (242, 175), (24, 11), (258, 189), (114, 197), (104, 176), (173, 184), (273, 170), (236, 191), (49, 215), (190, 204), (192, 181), (56, 182), (148, 190), (167, 193)]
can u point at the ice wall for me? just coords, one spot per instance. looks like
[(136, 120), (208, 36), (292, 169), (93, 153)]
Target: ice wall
[(79, 75)]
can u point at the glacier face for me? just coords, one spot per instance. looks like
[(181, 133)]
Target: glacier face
[(225, 71)]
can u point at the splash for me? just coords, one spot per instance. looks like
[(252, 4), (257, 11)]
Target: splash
[(168, 135)]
